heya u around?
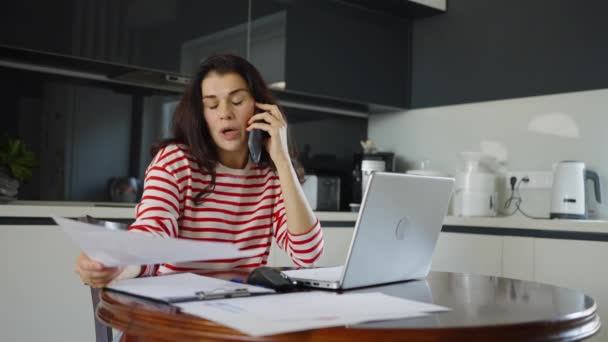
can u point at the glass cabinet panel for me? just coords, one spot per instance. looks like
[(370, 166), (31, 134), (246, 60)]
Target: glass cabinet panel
[(156, 34)]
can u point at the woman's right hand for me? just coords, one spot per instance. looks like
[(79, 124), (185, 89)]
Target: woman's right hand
[(94, 273)]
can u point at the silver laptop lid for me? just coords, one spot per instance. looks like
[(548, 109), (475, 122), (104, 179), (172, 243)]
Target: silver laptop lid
[(397, 229)]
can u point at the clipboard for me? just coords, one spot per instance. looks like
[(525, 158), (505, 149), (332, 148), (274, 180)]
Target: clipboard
[(185, 287)]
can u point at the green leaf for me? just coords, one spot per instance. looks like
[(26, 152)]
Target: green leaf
[(13, 151), (15, 156)]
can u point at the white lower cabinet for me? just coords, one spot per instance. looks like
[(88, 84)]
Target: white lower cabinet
[(468, 253), (42, 298), (517, 256), (578, 265)]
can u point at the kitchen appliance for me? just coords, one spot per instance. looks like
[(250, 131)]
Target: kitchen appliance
[(322, 192), (476, 186), (568, 197), (378, 161), (369, 166), (125, 189)]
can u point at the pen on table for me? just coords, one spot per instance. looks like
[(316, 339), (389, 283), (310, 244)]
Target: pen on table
[(210, 295)]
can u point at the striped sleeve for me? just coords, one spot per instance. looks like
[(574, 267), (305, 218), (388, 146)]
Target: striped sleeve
[(303, 249), (158, 211)]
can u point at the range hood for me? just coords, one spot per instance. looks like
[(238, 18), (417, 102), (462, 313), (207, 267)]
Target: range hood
[(89, 69), (157, 80)]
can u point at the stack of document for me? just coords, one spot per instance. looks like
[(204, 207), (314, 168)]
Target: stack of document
[(260, 312), (284, 313)]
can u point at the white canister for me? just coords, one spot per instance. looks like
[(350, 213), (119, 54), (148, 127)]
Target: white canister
[(475, 203), (369, 166), (475, 194)]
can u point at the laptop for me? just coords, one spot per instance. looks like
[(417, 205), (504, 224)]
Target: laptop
[(395, 234)]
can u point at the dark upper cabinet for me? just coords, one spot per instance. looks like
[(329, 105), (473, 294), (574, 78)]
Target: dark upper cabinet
[(152, 34), (332, 49), (335, 53), (330, 54)]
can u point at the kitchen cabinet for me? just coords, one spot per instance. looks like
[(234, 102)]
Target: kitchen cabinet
[(332, 49), (516, 255), (344, 56), (38, 277), (575, 264), (151, 34), (317, 54), (468, 253)]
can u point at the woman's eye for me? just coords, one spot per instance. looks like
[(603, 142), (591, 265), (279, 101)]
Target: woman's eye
[(237, 103)]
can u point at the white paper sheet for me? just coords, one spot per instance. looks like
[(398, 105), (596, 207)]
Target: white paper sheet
[(179, 285), (282, 313), (122, 248)]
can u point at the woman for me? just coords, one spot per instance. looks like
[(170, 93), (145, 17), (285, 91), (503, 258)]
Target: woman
[(202, 184)]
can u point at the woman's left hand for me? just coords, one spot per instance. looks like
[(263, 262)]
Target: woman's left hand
[(271, 121)]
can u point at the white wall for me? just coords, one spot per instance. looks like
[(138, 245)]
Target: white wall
[(532, 133)]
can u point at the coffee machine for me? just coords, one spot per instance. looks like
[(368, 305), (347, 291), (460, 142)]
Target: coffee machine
[(364, 165)]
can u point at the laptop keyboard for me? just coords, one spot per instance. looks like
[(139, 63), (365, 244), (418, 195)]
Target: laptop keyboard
[(321, 274)]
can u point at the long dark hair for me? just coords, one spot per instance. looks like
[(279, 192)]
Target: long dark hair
[(190, 128)]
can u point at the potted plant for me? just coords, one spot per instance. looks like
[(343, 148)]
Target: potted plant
[(16, 165)]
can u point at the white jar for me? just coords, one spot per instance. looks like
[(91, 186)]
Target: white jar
[(475, 194), (369, 166)]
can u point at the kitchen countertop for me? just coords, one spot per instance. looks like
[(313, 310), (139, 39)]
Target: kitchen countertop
[(521, 222), (47, 209), (107, 210), (126, 211)]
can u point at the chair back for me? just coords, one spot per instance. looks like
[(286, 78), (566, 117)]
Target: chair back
[(103, 333), (111, 225)]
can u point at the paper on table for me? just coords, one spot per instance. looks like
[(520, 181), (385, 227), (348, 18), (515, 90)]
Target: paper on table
[(179, 285), (282, 313), (121, 248)]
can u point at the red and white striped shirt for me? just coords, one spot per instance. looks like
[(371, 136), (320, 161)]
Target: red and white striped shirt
[(245, 208)]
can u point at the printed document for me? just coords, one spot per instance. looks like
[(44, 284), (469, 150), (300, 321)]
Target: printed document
[(283, 313), (122, 248)]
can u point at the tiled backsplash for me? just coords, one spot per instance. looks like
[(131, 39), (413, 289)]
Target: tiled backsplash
[(530, 133)]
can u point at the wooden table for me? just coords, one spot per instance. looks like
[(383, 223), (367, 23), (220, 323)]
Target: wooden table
[(483, 309)]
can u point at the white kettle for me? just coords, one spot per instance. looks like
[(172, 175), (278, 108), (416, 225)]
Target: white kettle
[(569, 190)]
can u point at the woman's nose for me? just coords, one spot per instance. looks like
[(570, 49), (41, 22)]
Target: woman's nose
[(226, 112)]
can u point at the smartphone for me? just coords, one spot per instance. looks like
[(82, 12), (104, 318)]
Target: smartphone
[(256, 142)]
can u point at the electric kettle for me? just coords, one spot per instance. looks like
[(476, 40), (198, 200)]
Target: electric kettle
[(569, 190)]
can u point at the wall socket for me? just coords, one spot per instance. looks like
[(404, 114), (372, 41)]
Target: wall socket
[(538, 179)]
